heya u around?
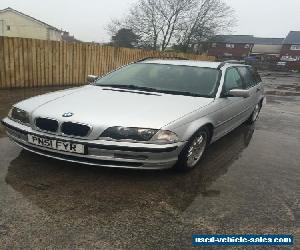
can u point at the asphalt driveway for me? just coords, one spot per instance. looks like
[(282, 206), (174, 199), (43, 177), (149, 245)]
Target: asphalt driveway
[(248, 182)]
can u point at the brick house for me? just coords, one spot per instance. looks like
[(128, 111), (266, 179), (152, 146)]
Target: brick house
[(290, 51), (267, 48), (230, 46)]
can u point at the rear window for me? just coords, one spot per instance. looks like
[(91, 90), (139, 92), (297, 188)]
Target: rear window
[(164, 77)]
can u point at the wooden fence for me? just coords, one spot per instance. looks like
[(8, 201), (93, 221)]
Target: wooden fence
[(35, 63)]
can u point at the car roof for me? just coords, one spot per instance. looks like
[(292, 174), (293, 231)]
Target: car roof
[(193, 63)]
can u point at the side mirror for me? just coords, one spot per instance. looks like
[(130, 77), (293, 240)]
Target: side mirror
[(239, 93), (91, 78)]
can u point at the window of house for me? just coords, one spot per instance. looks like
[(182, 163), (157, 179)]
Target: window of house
[(213, 45), (230, 45), (8, 27), (295, 47), (247, 46)]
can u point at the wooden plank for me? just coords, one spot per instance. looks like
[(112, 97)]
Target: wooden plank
[(16, 60), (83, 64), (74, 65), (11, 63), (2, 65), (98, 54), (56, 64), (61, 67), (77, 62), (25, 61), (38, 64), (71, 66), (87, 60), (101, 59), (68, 64), (32, 58), (27, 46), (95, 68), (43, 62), (7, 62), (46, 62), (79, 59), (50, 63), (53, 62), (65, 63), (21, 62)]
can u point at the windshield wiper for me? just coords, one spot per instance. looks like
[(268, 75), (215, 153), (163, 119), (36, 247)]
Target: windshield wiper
[(185, 93), (149, 89), (133, 87)]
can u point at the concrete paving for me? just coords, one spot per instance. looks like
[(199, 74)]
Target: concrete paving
[(248, 182)]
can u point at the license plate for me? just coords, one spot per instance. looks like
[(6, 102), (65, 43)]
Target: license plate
[(56, 144)]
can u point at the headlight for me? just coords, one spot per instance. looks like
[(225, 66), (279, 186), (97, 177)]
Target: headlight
[(19, 115), (140, 134), (123, 133), (165, 136)]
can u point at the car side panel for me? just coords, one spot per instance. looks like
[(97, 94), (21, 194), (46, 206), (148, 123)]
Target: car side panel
[(231, 112), (189, 124)]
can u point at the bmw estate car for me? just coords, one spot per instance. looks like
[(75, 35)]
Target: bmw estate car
[(151, 114)]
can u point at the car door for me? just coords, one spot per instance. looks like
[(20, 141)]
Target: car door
[(233, 108), (259, 84), (251, 84)]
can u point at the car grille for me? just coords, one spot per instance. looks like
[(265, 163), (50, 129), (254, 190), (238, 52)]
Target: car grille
[(47, 124), (75, 129)]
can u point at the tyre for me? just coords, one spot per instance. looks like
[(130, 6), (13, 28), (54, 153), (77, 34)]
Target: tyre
[(254, 116), (193, 150)]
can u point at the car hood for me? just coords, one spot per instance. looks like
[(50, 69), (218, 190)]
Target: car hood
[(114, 107)]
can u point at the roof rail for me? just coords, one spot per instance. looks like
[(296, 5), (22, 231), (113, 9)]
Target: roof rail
[(171, 57)]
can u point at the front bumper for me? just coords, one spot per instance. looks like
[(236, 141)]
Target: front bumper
[(100, 152)]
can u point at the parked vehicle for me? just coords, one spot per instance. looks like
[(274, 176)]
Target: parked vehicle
[(281, 66), (152, 114)]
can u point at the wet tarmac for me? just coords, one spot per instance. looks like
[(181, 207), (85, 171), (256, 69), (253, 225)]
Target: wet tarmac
[(248, 182)]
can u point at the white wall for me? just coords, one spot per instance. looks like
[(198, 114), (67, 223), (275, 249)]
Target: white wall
[(21, 26)]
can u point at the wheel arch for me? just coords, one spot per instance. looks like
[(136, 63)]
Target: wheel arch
[(188, 130)]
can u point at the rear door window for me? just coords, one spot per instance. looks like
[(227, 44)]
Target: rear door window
[(248, 76)]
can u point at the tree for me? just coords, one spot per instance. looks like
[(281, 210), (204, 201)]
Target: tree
[(125, 38), (158, 23), (208, 18)]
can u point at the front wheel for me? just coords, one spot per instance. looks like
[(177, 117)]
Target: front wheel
[(193, 151), (254, 116)]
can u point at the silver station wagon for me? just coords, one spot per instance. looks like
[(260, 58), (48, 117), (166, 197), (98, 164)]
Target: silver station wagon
[(151, 114)]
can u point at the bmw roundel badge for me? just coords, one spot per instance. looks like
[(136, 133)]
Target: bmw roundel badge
[(68, 114)]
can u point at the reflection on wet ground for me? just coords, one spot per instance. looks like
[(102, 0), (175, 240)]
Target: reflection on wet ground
[(248, 182)]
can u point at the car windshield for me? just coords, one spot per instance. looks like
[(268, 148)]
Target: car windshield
[(165, 78)]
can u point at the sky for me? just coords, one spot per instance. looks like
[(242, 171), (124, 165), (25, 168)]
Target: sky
[(87, 19)]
